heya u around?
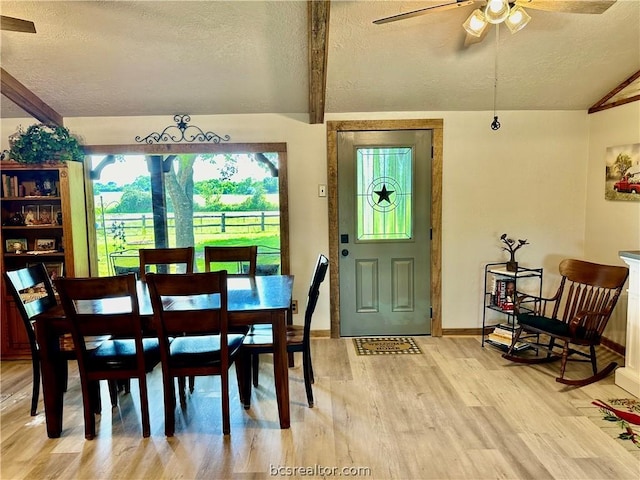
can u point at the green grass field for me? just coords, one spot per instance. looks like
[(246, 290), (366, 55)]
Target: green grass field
[(139, 234)]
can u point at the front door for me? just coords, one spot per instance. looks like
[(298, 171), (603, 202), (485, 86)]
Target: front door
[(384, 205)]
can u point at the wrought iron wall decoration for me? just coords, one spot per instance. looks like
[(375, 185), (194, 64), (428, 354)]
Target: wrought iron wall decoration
[(182, 132)]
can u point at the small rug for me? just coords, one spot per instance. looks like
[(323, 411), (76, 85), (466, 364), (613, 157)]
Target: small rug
[(619, 418), (386, 346)]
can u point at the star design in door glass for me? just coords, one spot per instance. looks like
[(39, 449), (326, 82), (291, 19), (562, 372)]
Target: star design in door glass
[(384, 194)]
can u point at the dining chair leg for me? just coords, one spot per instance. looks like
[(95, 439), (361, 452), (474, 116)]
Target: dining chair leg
[(35, 392), (93, 390), (90, 400), (169, 406), (239, 368), (308, 377), (224, 383), (144, 407), (255, 368), (182, 386), (307, 354), (113, 392), (243, 363)]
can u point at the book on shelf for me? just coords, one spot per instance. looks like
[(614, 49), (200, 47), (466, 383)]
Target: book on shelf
[(12, 187), (504, 337), (505, 345), (502, 293)]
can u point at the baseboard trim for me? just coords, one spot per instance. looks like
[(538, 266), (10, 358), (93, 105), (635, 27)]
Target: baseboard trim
[(461, 331), (320, 333), (611, 345)]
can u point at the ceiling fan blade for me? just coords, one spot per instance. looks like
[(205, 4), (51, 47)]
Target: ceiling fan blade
[(472, 39), (424, 11), (575, 6), (16, 25)]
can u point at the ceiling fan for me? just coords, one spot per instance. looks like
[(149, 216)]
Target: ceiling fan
[(511, 13), (16, 25)]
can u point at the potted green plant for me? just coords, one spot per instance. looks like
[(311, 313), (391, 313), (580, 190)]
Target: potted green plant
[(44, 143)]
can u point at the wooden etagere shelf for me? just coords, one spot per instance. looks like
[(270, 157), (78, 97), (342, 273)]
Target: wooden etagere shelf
[(43, 220), (500, 291)]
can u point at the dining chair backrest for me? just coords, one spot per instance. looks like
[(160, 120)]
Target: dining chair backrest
[(241, 255), (33, 293), (99, 306), (319, 273), (189, 303), (162, 258)]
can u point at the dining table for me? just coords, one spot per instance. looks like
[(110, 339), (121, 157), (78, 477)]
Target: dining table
[(250, 300)]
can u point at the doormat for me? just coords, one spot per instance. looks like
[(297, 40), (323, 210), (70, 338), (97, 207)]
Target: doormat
[(386, 346), (619, 418)]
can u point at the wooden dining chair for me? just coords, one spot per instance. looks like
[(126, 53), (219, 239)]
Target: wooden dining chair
[(101, 306), (163, 258), (575, 317), (33, 293), (192, 309), (242, 256), (260, 340)]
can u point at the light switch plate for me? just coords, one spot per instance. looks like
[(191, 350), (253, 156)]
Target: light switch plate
[(322, 190)]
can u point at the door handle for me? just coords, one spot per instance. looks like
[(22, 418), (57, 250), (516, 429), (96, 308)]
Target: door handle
[(345, 252)]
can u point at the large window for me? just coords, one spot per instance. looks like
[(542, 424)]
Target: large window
[(188, 199)]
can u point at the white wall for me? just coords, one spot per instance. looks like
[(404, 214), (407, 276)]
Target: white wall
[(611, 226), (528, 179)]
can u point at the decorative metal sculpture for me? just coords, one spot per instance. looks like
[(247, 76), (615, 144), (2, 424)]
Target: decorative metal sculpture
[(182, 132), (512, 247)]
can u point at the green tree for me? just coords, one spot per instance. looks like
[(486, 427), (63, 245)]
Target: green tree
[(180, 185), (133, 200), (622, 163)]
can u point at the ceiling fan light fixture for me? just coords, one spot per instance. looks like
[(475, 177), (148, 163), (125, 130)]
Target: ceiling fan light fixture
[(517, 19), (497, 11), (476, 23)]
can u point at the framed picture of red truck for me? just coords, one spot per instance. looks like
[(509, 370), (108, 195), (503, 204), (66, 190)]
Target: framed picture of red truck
[(622, 173)]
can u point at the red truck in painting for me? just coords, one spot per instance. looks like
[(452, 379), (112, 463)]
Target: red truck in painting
[(628, 184)]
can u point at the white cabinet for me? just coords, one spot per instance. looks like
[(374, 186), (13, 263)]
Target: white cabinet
[(628, 377)]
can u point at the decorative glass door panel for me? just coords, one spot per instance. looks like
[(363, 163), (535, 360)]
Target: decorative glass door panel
[(384, 193)]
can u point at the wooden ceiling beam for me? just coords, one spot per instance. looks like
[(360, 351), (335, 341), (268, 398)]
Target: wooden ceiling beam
[(27, 100), (602, 103), (318, 40)]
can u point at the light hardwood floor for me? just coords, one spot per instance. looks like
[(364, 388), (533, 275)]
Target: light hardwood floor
[(457, 411)]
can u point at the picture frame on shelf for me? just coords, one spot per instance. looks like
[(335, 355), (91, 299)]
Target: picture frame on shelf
[(54, 269), (46, 215), (45, 244), (15, 245), (30, 214)]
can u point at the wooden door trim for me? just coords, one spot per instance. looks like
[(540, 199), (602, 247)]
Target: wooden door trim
[(437, 128)]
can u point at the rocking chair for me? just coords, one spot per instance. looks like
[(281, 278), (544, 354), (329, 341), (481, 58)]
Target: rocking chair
[(576, 315)]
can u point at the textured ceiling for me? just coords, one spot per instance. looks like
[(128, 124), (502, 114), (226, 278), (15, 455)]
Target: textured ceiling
[(214, 57)]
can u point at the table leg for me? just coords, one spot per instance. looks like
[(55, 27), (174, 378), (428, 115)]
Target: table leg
[(280, 366), (52, 381)]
